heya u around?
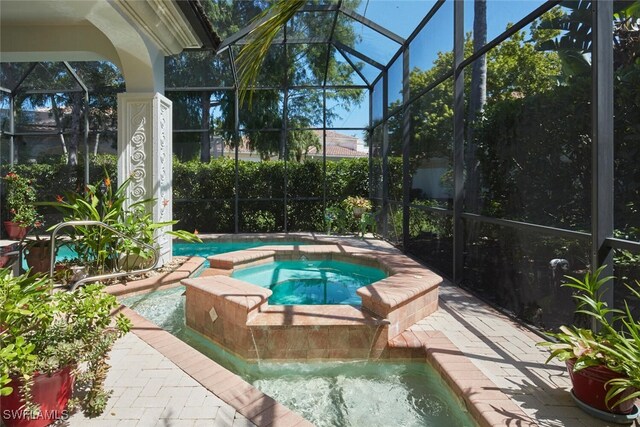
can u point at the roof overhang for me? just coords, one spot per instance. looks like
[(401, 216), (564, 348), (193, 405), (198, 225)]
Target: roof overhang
[(172, 26)]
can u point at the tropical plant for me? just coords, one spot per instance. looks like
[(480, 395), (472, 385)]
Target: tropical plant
[(20, 200), (614, 342), (100, 248), (251, 57), (352, 202), (336, 219), (43, 332)]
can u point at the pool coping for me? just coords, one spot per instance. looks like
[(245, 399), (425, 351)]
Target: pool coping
[(408, 293), (486, 403), (160, 281)]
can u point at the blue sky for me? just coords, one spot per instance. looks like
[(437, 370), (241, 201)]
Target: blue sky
[(402, 16)]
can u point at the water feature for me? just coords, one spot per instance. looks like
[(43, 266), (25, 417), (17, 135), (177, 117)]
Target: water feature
[(328, 393), (311, 282)]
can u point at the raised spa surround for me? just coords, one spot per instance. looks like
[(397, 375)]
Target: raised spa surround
[(237, 315)]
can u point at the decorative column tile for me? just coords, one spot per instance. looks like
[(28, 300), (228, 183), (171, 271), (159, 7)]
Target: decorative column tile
[(145, 156)]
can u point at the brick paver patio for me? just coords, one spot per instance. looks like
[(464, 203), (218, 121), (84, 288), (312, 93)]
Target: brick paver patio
[(150, 390), (505, 352)]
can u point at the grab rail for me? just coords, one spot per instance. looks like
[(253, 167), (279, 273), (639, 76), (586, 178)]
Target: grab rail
[(75, 224)]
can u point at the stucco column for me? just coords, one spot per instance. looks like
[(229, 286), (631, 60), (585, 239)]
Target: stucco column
[(145, 156)]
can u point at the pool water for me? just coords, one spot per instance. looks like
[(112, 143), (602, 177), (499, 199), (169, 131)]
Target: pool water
[(359, 393), (214, 247), (311, 282)]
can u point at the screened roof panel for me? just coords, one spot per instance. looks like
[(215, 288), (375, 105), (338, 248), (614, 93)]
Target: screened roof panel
[(316, 25), (341, 72), (431, 52), (307, 64), (401, 17), (273, 70), (52, 76), (12, 72), (355, 27), (198, 69), (99, 75), (367, 41), (368, 71)]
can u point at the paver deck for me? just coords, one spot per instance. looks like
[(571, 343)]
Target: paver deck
[(499, 347), (506, 353), (149, 390)]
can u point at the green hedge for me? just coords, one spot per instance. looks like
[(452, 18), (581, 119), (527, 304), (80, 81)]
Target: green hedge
[(52, 177), (204, 193)]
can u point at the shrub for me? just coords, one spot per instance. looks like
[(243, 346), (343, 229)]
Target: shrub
[(204, 193)]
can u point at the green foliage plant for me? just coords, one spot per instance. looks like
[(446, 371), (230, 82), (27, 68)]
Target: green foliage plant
[(20, 200), (99, 247), (367, 223), (353, 202), (615, 343), (336, 219), (43, 332)]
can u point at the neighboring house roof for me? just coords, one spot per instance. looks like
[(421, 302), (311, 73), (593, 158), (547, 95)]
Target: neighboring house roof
[(337, 151), (335, 146)]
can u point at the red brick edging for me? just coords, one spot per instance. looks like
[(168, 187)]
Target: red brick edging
[(256, 406)]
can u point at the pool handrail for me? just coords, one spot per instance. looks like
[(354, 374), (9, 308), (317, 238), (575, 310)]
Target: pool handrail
[(115, 275)]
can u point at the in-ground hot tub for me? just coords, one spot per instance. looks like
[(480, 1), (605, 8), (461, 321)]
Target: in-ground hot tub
[(242, 318), (311, 282)]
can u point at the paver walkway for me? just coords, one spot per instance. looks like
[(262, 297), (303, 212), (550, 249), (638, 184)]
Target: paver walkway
[(149, 390), (505, 351)]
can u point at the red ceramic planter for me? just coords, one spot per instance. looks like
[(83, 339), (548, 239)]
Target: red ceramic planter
[(51, 392), (589, 387), (14, 230), (39, 258)]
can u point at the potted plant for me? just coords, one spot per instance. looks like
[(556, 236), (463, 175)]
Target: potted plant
[(604, 362), (38, 255), (19, 202), (51, 342), (358, 205), (37, 252)]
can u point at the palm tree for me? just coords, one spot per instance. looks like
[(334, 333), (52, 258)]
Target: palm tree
[(477, 100), (250, 59)]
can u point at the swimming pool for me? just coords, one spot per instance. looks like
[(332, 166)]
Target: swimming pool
[(360, 393), (214, 247), (205, 249), (311, 282)]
